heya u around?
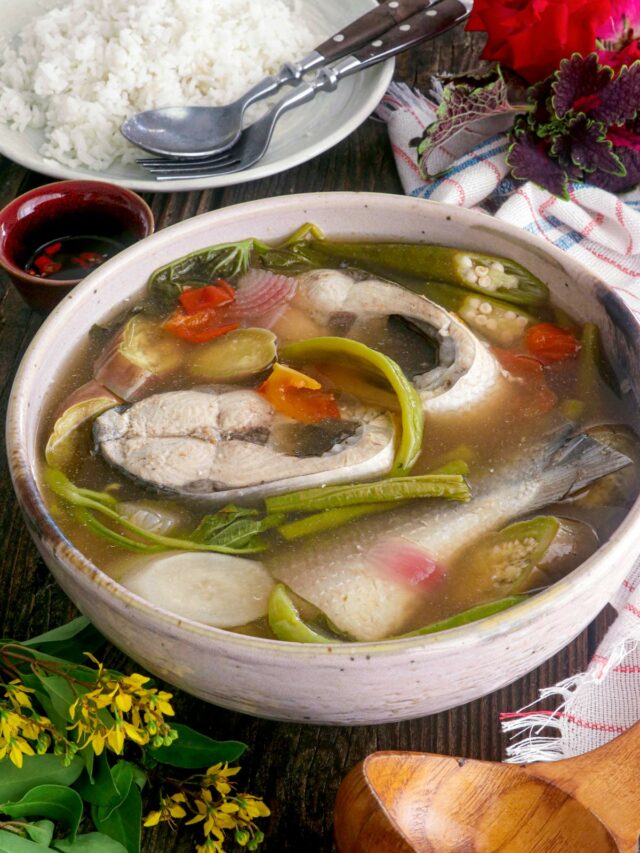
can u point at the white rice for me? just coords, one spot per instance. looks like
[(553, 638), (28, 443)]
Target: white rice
[(81, 67)]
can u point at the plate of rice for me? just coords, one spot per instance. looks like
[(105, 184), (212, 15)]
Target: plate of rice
[(71, 71)]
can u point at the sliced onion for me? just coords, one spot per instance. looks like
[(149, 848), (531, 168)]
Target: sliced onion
[(261, 298)]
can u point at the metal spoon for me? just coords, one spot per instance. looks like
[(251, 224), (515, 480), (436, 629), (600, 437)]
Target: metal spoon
[(254, 141), (412, 802), (201, 131)]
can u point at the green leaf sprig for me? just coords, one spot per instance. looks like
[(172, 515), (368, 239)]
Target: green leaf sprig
[(79, 743)]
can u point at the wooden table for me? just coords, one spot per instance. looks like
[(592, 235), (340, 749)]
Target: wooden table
[(297, 768)]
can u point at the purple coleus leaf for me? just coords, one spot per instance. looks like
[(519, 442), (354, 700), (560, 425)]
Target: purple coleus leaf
[(586, 145), (630, 159), (529, 160), (468, 114), (579, 84), (541, 97), (620, 100)]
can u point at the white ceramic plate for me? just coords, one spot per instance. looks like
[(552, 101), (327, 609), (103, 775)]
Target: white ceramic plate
[(299, 136)]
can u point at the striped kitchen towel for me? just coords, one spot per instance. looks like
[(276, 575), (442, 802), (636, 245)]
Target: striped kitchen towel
[(597, 227), (603, 231)]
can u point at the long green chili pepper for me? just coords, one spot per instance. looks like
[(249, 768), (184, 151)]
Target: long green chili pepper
[(481, 611), (589, 358), (448, 486), (327, 348), (487, 274), (287, 624)]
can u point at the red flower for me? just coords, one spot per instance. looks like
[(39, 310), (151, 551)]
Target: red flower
[(622, 15), (532, 36), (617, 58)]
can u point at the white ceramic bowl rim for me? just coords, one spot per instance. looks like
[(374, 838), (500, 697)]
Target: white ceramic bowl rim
[(29, 495)]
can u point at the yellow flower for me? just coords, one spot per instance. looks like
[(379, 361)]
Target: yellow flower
[(18, 747), (153, 818), (115, 739), (17, 692), (170, 807), (251, 807), (124, 702), (9, 723), (134, 681)]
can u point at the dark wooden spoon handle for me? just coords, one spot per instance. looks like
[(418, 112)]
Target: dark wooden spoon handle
[(370, 25)]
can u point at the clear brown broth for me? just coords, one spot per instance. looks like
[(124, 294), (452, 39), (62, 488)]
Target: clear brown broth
[(486, 446)]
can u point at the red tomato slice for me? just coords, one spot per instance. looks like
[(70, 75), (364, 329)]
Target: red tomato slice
[(198, 328), (298, 396), (196, 299), (518, 363), (550, 343)]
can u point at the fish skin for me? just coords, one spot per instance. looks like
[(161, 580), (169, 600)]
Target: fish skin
[(337, 572), (468, 376), (202, 444)]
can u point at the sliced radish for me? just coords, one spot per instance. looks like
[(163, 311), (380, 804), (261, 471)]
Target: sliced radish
[(217, 589)]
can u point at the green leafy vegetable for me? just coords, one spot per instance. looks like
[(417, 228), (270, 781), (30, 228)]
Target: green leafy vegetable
[(467, 616), (199, 269), (228, 260), (449, 486), (235, 527), (192, 749), (329, 519), (88, 503), (328, 348)]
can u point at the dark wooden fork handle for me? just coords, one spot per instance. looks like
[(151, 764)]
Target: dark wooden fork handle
[(370, 25)]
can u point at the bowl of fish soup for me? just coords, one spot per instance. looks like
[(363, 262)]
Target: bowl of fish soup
[(337, 680)]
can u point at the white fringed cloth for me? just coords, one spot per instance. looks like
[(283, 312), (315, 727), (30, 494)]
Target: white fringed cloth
[(602, 230)]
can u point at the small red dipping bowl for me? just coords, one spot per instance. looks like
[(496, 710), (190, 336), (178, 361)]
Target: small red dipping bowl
[(59, 211)]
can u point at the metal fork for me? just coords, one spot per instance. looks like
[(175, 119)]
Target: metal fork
[(254, 141)]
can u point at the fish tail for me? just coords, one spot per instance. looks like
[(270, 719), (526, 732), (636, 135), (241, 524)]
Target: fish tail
[(577, 463)]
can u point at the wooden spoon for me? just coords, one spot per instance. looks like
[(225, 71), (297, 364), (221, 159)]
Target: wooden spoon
[(412, 802)]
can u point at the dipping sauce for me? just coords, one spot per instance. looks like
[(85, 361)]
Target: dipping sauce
[(72, 257)]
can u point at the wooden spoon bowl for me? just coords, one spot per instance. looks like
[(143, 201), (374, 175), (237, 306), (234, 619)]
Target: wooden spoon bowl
[(404, 802)]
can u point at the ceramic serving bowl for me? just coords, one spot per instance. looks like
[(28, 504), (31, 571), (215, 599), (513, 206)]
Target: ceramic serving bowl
[(65, 209), (347, 683)]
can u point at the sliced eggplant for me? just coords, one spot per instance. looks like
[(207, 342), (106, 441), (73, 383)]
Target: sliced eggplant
[(86, 403), (234, 357), (139, 353)]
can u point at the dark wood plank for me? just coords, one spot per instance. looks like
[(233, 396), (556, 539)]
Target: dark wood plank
[(296, 768)]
